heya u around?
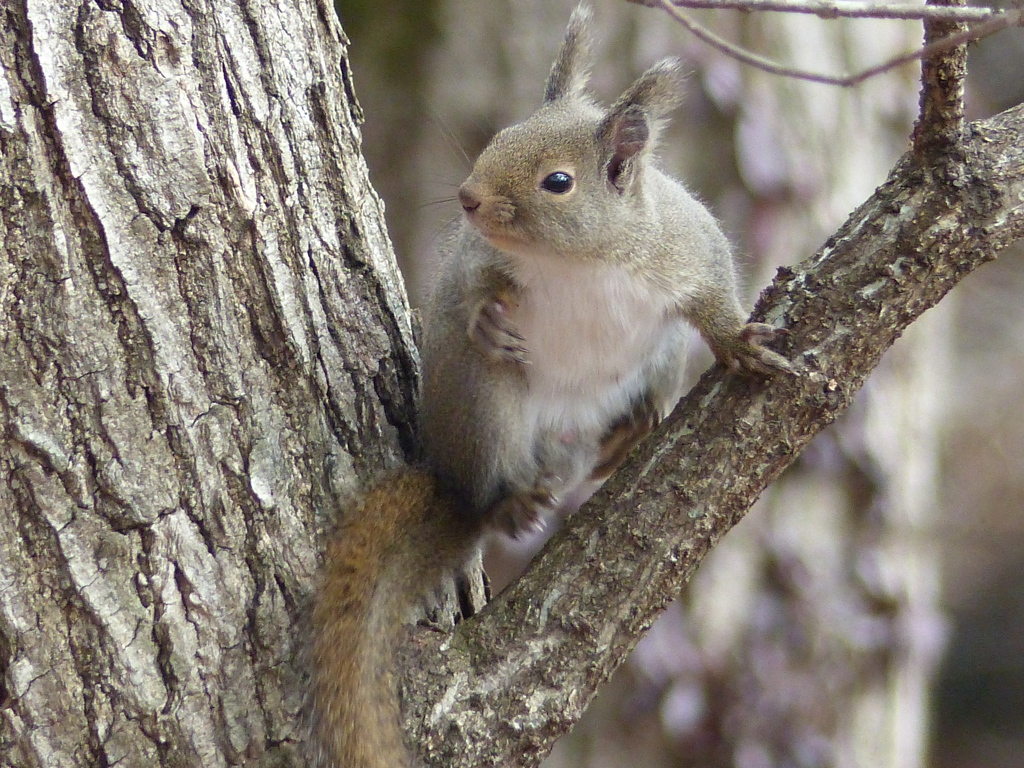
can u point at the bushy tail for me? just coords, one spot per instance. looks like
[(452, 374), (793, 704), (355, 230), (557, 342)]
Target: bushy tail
[(397, 542)]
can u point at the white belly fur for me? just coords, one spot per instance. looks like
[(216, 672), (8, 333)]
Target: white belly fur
[(591, 330)]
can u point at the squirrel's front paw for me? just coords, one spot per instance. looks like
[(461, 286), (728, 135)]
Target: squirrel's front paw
[(746, 353), (495, 333)]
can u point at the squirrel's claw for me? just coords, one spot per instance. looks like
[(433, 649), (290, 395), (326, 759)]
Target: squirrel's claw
[(747, 355), (623, 436), (524, 512), (496, 334)]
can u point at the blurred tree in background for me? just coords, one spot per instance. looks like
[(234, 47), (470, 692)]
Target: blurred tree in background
[(812, 636)]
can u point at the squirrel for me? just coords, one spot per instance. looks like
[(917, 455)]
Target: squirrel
[(553, 341)]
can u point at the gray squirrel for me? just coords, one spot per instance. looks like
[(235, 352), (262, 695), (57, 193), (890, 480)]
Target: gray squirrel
[(561, 308), (553, 342)]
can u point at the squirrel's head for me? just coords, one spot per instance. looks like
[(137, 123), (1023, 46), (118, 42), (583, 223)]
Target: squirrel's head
[(558, 181)]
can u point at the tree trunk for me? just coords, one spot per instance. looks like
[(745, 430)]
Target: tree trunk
[(205, 342)]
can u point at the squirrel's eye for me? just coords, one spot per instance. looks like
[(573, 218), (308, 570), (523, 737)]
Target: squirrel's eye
[(558, 182)]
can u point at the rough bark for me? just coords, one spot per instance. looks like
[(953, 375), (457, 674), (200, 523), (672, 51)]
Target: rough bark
[(204, 341)]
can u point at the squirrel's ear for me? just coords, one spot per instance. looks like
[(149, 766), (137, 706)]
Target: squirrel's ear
[(658, 90), (624, 133), (572, 67), (632, 123)]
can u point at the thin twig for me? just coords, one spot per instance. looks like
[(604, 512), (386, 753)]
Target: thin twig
[(978, 31), (834, 9), (939, 127)]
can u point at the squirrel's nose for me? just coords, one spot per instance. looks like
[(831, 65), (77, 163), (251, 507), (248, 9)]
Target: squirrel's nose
[(470, 202)]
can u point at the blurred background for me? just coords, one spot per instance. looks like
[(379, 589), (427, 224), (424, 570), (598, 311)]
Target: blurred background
[(870, 610)]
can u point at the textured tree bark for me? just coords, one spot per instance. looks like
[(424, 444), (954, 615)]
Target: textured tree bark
[(205, 342)]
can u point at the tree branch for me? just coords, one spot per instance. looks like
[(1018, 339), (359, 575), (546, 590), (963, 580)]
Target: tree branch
[(936, 44), (837, 9), (521, 673)]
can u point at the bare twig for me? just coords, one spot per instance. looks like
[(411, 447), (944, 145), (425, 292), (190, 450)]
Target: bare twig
[(834, 9), (943, 74), (994, 24)]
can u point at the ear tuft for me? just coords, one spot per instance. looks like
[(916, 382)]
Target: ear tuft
[(631, 125), (658, 90), (571, 69)]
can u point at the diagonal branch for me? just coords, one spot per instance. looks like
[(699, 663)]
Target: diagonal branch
[(521, 673)]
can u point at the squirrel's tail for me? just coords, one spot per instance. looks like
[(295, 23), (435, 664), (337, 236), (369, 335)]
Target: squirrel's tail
[(395, 544)]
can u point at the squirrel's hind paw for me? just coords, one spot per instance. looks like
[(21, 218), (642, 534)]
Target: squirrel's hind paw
[(524, 512), (623, 436)]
